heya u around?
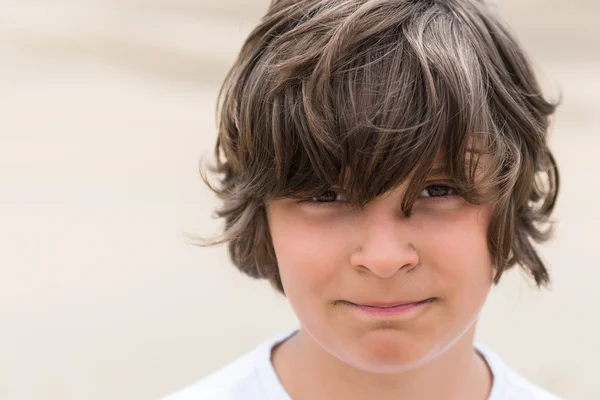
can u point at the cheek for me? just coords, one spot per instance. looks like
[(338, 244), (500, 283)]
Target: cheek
[(456, 247), (455, 251), (309, 253)]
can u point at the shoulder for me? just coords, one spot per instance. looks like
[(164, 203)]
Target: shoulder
[(510, 385), (250, 377), (229, 383), (520, 388)]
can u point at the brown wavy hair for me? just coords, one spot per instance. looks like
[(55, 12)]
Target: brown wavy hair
[(369, 93)]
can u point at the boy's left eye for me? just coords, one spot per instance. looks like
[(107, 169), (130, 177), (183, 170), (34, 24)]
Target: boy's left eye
[(437, 190)]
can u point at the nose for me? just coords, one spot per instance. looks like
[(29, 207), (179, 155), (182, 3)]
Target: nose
[(385, 248)]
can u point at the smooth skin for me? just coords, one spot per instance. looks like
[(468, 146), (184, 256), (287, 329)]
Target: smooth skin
[(332, 257)]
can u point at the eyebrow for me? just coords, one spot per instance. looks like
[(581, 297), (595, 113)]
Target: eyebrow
[(439, 169)]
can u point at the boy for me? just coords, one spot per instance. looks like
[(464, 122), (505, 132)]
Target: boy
[(382, 163)]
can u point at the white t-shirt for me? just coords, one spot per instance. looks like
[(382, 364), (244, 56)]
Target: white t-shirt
[(252, 377)]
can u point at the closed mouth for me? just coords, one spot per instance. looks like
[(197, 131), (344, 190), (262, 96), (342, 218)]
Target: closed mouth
[(385, 305)]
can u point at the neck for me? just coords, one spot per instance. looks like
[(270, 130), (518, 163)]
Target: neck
[(307, 371)]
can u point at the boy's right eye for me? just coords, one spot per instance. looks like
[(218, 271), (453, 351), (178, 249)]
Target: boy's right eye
[(330, 196)]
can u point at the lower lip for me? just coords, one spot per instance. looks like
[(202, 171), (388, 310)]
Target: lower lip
[(392, 311)]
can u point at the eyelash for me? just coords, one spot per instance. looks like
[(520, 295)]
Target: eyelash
[(436, 199), (452, 192)]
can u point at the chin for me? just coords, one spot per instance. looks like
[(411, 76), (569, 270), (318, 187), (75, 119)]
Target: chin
[(389, 351)]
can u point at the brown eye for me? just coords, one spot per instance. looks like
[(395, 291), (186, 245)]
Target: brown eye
[(328, 197), (437, 191)]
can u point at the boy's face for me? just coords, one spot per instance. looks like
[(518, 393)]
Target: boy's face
[(380, 291)]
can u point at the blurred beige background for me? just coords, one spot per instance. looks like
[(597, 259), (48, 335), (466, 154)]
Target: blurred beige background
[(106, 107)]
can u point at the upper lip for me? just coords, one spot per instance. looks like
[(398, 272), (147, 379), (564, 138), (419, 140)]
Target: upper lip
[(387, 304)]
